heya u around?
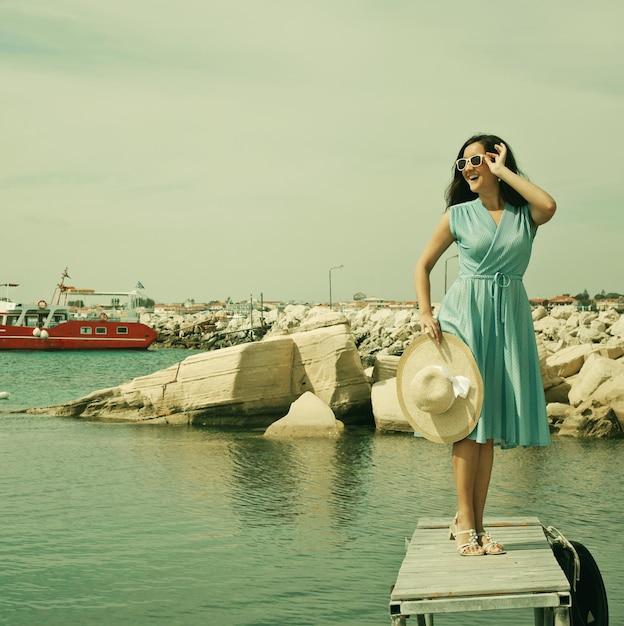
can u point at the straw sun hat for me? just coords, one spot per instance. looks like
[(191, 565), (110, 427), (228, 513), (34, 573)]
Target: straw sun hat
[(440, 388)]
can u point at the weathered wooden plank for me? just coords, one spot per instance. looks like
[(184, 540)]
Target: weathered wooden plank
[(444, 522), (456, 605)]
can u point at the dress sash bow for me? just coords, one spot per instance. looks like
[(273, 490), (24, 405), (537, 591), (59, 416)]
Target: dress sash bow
[(499, 282)]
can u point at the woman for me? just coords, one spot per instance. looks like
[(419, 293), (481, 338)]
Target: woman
[(493, 213)]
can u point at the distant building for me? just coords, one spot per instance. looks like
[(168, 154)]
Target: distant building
[(379, 303), (610, 303), (179, 309), (562, 300), (538, 301)]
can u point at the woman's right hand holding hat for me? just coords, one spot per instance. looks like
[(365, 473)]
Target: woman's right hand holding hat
[(429, 325)]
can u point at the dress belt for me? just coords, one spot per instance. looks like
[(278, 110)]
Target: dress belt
[(500, 282)]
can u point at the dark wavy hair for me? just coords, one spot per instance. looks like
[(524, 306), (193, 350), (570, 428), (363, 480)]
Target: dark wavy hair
[(458, 190)]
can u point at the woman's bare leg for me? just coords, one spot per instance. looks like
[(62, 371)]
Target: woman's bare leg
[(466, 455), (482, 484), (482, 481)]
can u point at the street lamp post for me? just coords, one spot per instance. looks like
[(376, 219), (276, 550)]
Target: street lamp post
[(446, 269), (331, 269)]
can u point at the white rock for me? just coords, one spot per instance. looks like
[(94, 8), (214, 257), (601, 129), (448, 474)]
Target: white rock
[(596, 370), (598, 326), (594, 422), (382, 317), (558, 393), (549, 326), (590, 334), (386, 408), (611, 394), (550, 378), (558, 410), (617, 328), (569, 360), (586, 317), (308, 416), (609, 317), (612, 349), (573, 321), (562, 312), (385, 367)]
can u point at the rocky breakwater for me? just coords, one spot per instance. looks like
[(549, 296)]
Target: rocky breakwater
[(582, 363), (582, 358), (249, 384), (375, 331), (208, 330)]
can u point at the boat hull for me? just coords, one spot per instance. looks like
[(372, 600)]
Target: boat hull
[(79, 335)]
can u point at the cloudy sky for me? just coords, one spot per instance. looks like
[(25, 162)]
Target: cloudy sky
[(237, 147)]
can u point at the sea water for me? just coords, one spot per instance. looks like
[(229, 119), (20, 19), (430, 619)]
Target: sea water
[(138, 524)]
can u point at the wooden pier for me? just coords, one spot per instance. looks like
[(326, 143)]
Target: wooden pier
[(434, 578)]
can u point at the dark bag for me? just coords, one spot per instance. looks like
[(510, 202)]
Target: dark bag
[(589, 597)]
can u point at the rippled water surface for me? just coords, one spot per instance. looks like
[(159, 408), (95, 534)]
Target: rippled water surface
[(130, 524)]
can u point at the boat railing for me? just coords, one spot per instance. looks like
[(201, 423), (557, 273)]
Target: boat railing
[(104, 315)]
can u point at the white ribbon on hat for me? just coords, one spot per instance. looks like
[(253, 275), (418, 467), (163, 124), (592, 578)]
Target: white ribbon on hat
[(461, 384)]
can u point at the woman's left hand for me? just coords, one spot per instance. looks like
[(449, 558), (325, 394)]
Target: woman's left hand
[(496, 160)]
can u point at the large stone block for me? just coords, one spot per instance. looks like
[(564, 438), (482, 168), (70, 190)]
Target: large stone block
[(594, 422), (249, 383), (611, 394), (617, 328), (386, 408), (385, 367), (596, 370), (569, 360)]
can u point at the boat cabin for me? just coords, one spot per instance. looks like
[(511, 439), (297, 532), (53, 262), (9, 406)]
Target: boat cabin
[(33, 316)]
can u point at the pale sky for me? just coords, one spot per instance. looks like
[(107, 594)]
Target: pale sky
[(237, 147)]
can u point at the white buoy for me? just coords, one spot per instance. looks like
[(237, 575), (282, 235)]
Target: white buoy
[(37, 332), (4, 395), (44, 334)]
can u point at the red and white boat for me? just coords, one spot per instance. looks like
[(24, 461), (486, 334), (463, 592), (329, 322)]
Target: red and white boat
[(43, 326)]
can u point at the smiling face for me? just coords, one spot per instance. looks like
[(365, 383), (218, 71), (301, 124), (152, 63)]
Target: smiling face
[(479, 178)]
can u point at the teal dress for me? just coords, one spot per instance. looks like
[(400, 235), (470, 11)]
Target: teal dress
[(488, 308)]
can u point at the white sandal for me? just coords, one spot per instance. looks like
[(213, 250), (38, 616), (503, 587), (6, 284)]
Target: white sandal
[(490, 545), (465, 549)]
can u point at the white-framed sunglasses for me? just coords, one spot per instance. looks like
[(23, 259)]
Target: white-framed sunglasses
[(475, 160)]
